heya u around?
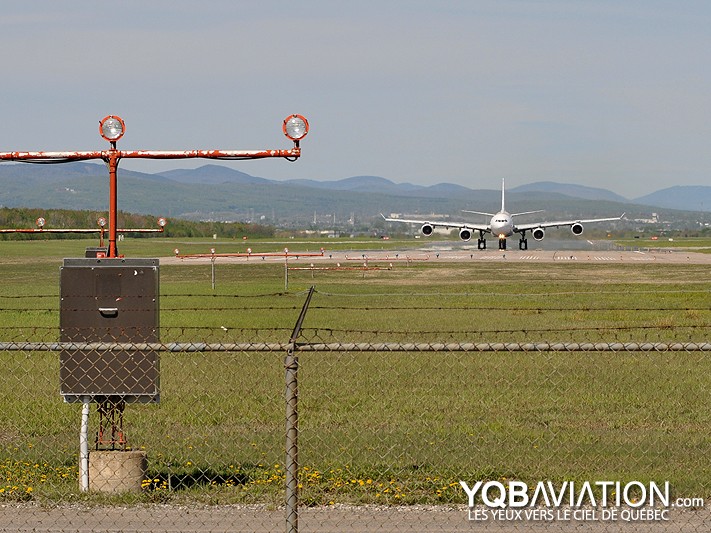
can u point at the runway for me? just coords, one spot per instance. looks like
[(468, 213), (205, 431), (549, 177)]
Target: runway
[(354, 258)]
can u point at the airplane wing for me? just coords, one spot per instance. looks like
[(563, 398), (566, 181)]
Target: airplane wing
[(439, 224), (557, 223)]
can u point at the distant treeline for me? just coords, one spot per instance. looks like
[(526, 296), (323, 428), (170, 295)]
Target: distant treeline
[(25, 218)]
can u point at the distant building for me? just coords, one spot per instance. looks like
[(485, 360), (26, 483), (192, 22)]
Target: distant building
[(653, 220)]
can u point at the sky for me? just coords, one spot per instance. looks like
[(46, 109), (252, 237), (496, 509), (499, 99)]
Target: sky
[(603, 93)]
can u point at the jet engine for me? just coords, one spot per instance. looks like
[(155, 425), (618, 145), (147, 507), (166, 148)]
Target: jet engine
[(577, 228), (427, 229), (465, 234), (538, 234)]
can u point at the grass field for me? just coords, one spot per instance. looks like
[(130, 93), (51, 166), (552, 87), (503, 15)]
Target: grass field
[(378, 427)]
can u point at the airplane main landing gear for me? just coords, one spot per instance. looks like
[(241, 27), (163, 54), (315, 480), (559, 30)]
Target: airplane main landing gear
[(523, 244), (481, 244), (502, 244)]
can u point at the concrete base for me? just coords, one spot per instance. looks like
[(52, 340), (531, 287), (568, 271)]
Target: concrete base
[(115, 471)]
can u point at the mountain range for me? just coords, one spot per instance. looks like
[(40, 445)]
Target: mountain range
[(214, 192)]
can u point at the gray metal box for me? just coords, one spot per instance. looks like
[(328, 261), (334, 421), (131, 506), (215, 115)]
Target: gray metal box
[(96, 251), (108, 301)]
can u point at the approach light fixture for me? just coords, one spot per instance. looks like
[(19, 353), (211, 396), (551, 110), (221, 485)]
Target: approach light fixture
[(295, 127), (101, 222), (112, 128), (162, 222), (40, 222)]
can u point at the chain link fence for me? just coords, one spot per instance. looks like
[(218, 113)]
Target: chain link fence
[(395, 406)]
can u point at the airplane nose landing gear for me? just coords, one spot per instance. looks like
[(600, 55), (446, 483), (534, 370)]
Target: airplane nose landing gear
[(502, 244)]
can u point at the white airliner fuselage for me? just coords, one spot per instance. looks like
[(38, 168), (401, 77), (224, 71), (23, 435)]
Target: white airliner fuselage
[(502, 226)]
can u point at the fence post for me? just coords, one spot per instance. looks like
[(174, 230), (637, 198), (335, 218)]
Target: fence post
[(291, 364), (84, 446), (213, 272), (286, 271)]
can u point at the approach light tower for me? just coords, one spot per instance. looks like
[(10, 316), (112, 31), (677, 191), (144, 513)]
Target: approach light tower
[(112, 128), (107, 302)]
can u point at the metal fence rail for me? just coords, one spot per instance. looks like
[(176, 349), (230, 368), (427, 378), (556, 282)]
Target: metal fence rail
[(206, 347)]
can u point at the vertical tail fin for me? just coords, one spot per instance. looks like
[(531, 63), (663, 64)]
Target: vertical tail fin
[(503, 208)]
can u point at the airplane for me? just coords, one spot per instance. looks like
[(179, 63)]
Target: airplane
[(502, 225)]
